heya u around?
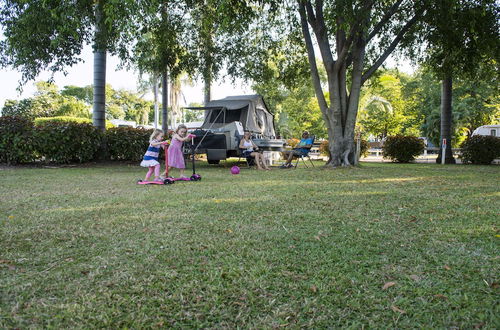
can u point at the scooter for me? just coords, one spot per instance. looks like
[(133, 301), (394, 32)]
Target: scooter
[(164, 181), (194, 176)]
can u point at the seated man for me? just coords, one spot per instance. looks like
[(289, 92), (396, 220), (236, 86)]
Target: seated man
[(302, 149)]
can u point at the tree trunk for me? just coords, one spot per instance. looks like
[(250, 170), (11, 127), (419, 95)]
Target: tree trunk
[(351, 42), (207, 90), (99, 106), (155, 100), (446, 120), (164, 99)]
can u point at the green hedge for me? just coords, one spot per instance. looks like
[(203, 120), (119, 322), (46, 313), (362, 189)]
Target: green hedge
[(127, 143), (402, 149), (66, 119), (16, 140), (67, 142), (480, 149)]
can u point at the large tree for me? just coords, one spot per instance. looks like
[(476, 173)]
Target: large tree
[(50, 35), (461, 35), (354, 39)]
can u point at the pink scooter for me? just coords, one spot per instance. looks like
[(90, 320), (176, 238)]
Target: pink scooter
[(194, 176), (164, 181)]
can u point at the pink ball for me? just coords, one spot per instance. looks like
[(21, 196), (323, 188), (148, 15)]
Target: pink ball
[(235, 170)]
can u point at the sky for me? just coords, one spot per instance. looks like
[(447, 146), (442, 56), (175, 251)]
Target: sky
[(82, 75)]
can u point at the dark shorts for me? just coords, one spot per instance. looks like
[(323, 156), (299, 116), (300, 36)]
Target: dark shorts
[(247, 153)]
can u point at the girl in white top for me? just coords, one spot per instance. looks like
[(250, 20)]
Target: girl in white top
[(250, 151)]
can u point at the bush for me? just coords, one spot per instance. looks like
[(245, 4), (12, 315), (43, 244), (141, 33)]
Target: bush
[(292, 142), (324, 149), (402, 149), (67, 119), (364, 148), (479, 149), (65, 142), (127, 143), (16, 140)]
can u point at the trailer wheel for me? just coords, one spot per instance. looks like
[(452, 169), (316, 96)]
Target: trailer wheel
[(213, 161)]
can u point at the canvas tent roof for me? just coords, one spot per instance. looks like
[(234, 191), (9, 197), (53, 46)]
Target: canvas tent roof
[(250, 110)]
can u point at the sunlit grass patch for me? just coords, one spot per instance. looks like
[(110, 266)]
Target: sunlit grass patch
[(87, 247)]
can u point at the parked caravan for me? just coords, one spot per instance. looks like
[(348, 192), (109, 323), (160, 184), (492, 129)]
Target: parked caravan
[(491, 130), (224, 124)]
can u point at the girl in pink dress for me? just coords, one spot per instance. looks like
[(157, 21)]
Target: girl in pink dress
[(175, 155)]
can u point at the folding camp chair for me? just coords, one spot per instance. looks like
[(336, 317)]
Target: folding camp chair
[(250, 161), (303, 156)]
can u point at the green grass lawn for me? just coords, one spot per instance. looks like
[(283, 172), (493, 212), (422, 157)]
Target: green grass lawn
[(383, 245)]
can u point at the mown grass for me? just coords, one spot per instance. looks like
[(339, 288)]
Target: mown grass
[(86, 248)]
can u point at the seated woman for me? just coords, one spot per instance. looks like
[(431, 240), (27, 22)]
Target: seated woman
[(302, 149), (249, 150)]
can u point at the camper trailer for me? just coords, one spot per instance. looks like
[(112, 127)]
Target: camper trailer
[(492, 130), (224, 124)]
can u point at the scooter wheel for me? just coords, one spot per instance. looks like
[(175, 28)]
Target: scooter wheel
[(139, 181), (168, 181)]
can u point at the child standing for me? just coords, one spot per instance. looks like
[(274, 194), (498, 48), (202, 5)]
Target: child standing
[(151, 156), (175, 155)]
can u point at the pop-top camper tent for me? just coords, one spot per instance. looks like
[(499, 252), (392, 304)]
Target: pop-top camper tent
[(225, 120), (250, 110)]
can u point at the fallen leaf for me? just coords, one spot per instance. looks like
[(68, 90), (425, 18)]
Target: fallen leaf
[(313, 288), (388, 285), (415, 277), (396, 309), (85, 272), (318, 238), (11, 217), (440, 296), (8, 263), (494, 285), (447, 267), (229, 231), (69, 259), (479, 325)]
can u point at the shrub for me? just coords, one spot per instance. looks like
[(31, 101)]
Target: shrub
[(480, 149), (67, 119), (16, 140), (402, 149), (364, 148), (65, 142), (292, 142), (127, 143), (324, 149)]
